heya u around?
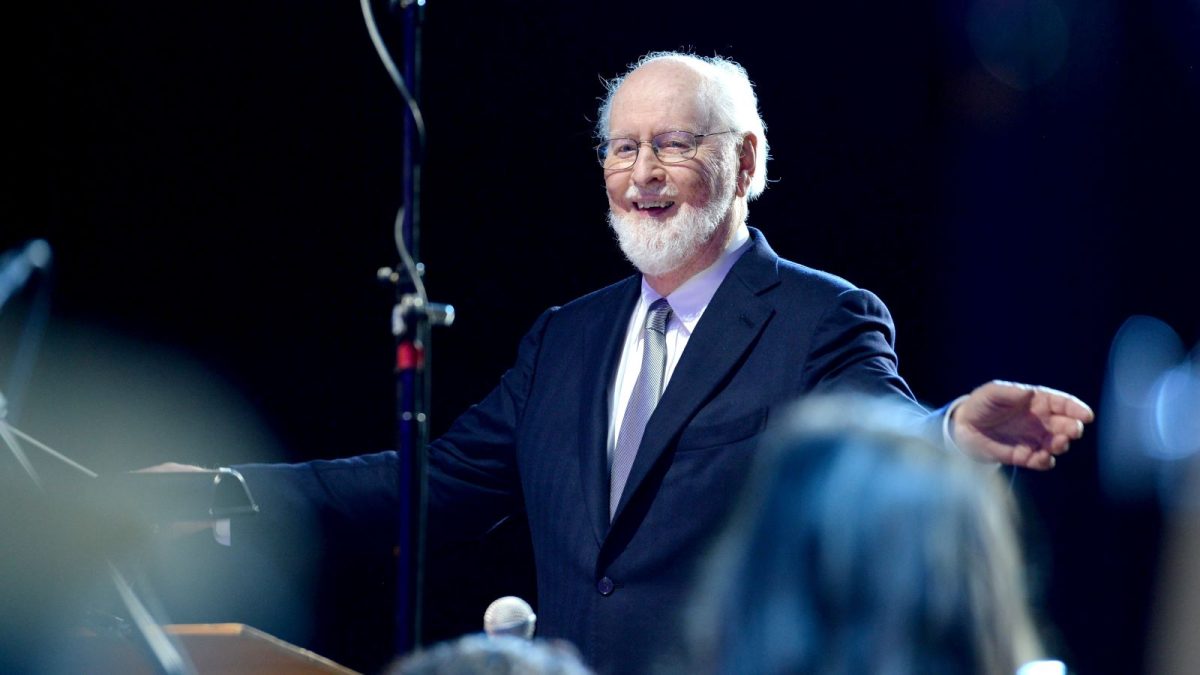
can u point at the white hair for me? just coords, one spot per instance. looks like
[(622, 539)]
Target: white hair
[(729, 95)]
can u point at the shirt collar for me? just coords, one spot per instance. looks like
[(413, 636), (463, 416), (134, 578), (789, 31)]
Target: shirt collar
[(689, 301)]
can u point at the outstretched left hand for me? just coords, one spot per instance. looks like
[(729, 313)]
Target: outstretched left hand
[(1018, 424)]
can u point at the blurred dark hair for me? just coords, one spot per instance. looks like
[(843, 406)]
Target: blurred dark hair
[(862, 547), (500, 655)]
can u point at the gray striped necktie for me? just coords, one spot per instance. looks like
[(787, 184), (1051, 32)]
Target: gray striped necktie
[(642, 401)]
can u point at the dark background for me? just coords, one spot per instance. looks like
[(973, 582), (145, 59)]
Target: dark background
[(218, 181)]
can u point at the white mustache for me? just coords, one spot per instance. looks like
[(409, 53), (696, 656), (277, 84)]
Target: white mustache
[(632, 193)]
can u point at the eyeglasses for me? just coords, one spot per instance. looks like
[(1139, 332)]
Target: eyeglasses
[(670, 147)]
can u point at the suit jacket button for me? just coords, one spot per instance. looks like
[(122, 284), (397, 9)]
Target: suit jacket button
[(605, 586)]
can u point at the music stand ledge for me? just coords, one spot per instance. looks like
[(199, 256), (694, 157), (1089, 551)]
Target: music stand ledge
[(225, 648)]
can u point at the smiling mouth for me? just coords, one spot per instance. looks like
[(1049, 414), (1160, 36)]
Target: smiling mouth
[(654, 207)]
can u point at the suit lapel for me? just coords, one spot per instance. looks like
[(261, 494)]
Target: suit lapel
[(731, 323), (602, 346)]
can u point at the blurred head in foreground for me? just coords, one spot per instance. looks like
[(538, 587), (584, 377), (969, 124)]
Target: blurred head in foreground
[(860, 547), (498, 655)]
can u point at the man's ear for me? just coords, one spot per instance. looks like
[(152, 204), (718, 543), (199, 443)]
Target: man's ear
[(747, 154)]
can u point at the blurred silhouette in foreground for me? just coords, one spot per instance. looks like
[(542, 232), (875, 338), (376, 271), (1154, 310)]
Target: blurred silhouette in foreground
[(498, 655), (1173, 646), (861, 547)]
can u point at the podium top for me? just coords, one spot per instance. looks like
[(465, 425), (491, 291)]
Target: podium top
[(226, 648), (238, 648)]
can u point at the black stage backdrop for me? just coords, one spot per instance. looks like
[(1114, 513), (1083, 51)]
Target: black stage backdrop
[(218, 181)]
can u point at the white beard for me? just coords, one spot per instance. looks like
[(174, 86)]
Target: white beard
[(659, 247)]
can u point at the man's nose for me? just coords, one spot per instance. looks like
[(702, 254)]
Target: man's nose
[(647, 168)]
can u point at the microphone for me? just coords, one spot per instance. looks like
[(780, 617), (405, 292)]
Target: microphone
[(509, 615)]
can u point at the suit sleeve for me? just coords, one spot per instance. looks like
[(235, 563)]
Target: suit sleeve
[(853, 350), (472, 484), (473, 478)]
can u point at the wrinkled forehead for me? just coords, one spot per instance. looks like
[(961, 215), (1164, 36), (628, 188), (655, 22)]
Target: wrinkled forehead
[(660, 96)]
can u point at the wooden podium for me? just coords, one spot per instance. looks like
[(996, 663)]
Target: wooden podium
[(215, 648)]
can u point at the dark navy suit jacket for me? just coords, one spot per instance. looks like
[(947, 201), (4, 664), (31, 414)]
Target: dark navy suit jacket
[(773, 332)]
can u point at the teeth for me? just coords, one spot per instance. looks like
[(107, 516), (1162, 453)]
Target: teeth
[(653, 205)]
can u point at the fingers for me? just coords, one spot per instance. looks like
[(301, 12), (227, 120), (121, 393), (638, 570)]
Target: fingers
[(1031, 458), (1062, 429), (1020, 424), (1056, 437), (1041, 461), (1068, 427), (1058, 444), (171, 467), (1056, 401), (1062, 403), (1039, 455)]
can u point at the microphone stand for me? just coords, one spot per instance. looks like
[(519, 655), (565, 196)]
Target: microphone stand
[(413, 317)]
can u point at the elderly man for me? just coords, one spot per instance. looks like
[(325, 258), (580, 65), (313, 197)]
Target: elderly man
[(628, 422)]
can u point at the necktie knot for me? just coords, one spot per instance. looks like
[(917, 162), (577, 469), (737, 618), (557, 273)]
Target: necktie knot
[(658, 316)]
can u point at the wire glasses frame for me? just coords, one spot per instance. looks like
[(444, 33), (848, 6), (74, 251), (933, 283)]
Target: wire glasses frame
[(670, 147)]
